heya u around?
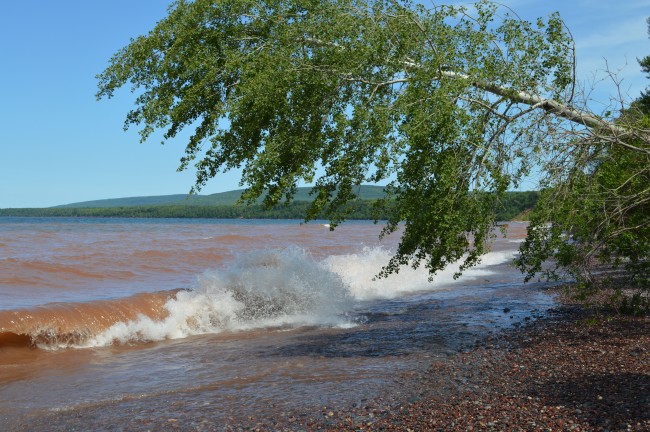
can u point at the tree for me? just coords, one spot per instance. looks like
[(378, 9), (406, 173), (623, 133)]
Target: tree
[(594, 220), (451, 106)]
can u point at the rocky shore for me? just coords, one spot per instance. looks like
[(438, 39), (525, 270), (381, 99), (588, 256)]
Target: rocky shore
[(577, 370)]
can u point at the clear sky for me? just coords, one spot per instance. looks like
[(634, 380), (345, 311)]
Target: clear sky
[(59, 145)]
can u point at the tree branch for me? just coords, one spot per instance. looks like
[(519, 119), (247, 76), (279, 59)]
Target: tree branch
[(549, 105)]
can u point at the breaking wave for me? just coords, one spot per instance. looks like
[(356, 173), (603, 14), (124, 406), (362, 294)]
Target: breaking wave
[(264, 289)]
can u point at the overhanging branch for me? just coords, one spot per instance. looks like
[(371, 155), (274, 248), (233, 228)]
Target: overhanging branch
[(620, 134)]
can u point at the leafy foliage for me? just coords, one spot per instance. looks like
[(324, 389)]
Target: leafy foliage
[(347, 92), (594, 223)]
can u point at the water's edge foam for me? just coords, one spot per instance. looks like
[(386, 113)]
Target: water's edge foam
[(272, 288)]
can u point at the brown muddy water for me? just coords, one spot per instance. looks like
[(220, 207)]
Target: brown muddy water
[(110, 324)]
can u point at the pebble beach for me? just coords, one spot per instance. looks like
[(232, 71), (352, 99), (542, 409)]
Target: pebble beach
[(577, 369)]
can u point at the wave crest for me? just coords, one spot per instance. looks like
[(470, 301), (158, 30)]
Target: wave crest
[(260, 289), (272, 288)]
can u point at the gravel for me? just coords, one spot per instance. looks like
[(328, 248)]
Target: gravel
[(577, 370)]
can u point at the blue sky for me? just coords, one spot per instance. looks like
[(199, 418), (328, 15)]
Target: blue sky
[(59, 145)]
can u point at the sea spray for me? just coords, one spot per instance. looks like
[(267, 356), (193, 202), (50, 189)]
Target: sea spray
[(282, 288), (261, 289), (359, 271)]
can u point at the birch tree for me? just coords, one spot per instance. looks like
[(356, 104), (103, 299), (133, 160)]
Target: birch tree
[(593, 220), (450, 106)]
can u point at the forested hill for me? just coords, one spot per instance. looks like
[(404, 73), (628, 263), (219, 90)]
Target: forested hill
[(365, 192), (222, 206)]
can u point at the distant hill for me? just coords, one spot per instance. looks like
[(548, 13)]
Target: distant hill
[(229, 198), (513, 205)]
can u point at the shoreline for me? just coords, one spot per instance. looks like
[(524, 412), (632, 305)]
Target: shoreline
[(575, 369)]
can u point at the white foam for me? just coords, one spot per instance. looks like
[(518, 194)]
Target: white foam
[(284, 288), (359, 271), (262, 289)]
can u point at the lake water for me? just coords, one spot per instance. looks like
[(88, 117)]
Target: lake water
[(133, 321)]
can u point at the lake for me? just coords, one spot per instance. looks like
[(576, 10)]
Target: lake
[(129, 321)]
